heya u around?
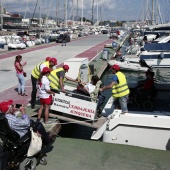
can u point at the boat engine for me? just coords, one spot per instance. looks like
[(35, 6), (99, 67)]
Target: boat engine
[(143, 63)]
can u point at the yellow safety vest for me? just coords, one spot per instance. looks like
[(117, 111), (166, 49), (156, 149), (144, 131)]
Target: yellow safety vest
[(54, 80), (121, 89), (36, 71)]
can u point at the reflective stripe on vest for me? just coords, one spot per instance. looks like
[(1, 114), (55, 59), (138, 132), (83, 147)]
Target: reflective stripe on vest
[(121, 89), (36, 71), (54, 80)]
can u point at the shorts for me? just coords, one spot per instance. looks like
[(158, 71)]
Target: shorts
[(47, 101)]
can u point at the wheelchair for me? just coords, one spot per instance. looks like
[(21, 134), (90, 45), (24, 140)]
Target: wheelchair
[(13, 149), (144, 100)]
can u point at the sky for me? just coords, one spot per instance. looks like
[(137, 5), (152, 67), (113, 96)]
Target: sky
[(107, 9)]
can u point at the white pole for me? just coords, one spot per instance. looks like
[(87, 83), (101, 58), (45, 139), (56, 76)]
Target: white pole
[(97, 12), (82, 12)]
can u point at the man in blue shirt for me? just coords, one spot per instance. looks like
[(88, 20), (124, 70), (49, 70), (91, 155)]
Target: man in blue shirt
[(22, 125), (119, 88)]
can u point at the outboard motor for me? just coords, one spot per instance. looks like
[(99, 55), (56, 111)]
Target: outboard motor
[(84, 73), (161, 55), (143, 63)]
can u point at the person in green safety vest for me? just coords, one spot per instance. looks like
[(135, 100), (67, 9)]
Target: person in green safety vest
[(57, 78), (120, 90), (36, 74)]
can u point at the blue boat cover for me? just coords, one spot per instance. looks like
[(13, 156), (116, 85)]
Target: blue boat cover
[(157, 47)]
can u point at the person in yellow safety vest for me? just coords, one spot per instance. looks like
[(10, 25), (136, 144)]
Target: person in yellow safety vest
[(57, 78), (35, 76), (120, 90)]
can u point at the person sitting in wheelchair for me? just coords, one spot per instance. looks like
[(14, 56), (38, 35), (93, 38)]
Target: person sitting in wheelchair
[(22, 125), (146, 87)]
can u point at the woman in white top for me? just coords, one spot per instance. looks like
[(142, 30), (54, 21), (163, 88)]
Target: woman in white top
[(45, 94)]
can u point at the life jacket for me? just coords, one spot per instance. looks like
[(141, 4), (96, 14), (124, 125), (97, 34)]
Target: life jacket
[(121, 89), (36, 71), (54, 79)]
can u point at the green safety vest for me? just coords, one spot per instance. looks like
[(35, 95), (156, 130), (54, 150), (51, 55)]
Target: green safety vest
[(121, 89), (36, 71), (54, 80)]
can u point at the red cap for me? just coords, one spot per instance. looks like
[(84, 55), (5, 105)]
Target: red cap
[(115, 67), (66, 67), (47, 58), (4, 106), (54, 60), (46, 70)]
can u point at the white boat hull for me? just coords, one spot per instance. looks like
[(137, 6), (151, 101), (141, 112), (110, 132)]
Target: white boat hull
[(149, 131), (128, 66)]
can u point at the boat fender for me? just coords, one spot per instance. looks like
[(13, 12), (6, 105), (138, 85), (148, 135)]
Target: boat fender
[(24, 39), (161, 55), (32, 38)]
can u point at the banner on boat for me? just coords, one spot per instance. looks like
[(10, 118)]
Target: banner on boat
[(74, 106)]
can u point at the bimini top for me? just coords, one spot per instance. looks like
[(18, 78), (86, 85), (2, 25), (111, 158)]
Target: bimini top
[(157, 47)]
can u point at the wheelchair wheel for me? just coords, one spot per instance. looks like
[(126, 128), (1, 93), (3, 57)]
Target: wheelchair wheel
[(148, 105), (137, 105), (43, 160), (28, 164)]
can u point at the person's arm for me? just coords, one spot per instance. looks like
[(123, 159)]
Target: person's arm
[(61, 84), (47, 88), (19, 67), (70, 79), (115, 81), (108, 86)]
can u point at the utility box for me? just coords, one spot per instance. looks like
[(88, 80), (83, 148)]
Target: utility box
[(74, 66), (105, 54)]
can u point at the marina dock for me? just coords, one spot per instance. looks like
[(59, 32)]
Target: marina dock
[(68, 153)]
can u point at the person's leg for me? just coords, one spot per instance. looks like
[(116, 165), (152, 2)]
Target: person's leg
[(123, 103), (34, 91), (22, 84), (19, 84), (47, 107), (40, 111), (45, 137)]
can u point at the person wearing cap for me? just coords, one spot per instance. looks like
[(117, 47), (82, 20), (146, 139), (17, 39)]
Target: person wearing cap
[(47, 58), (45, 94), (120, 90), (22, 125), (57, 77), (35, 76)]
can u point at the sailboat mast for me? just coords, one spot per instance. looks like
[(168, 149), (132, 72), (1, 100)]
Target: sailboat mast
[(65, 13), (1, 15), (82, 13), (77, 9), (153, 12), (57, 12), (92, 12)]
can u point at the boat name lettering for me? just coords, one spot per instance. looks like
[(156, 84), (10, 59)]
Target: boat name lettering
[(81, 108), (62, 101), (61, 106), (79, 113)]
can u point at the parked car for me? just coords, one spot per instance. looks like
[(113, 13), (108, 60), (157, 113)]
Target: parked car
[(59, 39)]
